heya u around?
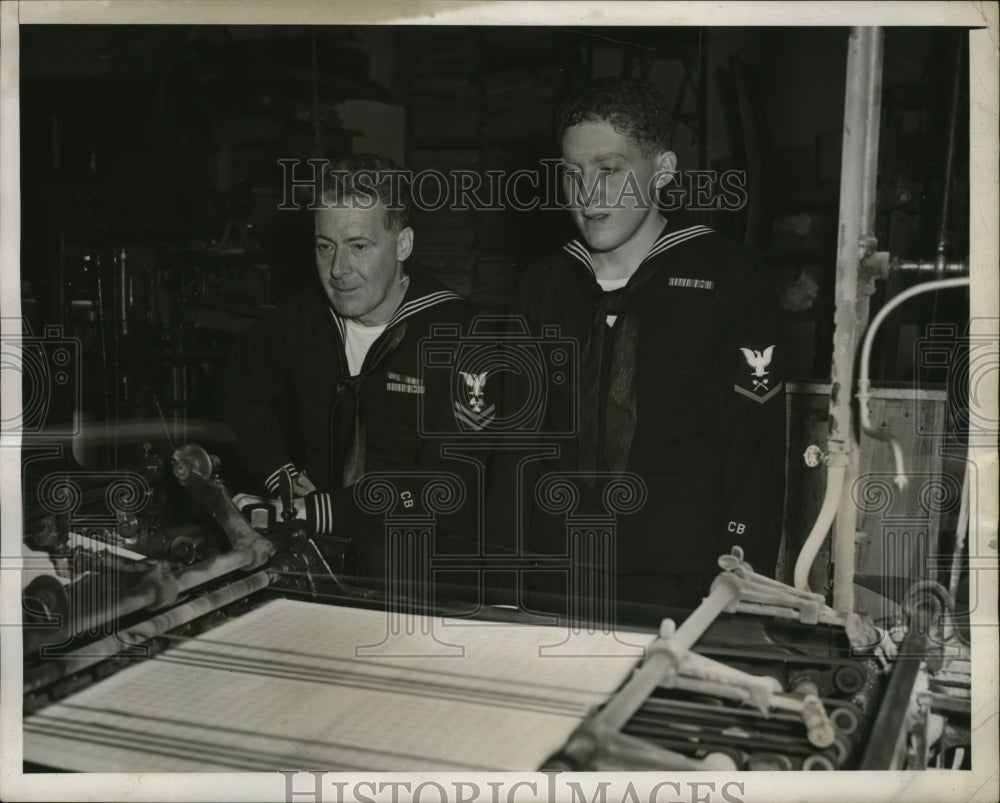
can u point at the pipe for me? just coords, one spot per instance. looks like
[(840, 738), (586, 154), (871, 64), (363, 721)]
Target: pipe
[(111, 645), (960, 535), (917, 266), (862, 107), (864, 383), (836, 469)]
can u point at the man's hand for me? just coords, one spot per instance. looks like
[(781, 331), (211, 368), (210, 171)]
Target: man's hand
[(316, 509), (302, 485), (244, 501)]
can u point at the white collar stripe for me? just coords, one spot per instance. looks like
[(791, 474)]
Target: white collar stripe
[(407, 309), (430, 299), (677, 238), (339, 321), (422, 303), (576, 249)]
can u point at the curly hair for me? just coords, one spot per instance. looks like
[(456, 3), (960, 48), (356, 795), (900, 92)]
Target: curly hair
[(370, 177), (634, 108)]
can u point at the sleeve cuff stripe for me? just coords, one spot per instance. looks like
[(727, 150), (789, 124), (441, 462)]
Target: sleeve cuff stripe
[(273, 480), (323, 513)]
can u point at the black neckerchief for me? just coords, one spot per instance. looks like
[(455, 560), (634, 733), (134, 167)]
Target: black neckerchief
[(607, 402)]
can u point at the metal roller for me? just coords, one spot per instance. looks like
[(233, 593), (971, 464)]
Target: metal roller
[(818, 761)]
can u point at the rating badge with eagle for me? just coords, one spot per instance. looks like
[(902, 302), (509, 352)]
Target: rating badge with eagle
[(471, 409), (756, 383)]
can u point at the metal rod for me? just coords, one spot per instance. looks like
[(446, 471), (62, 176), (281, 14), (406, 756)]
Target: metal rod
[(862, 105), (314, 79), (702, 96), (725, 590), (873, 113), (106, 372), (120, 261), (111, 645), (886, 745), (624, 752), (647, 677), (949, 161), (202, 572), (149, 593)]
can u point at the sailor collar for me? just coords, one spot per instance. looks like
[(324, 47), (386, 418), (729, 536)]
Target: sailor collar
[(418, 297), (666, 241)]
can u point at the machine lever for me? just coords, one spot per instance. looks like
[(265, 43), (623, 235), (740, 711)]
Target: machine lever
[(286, 494)]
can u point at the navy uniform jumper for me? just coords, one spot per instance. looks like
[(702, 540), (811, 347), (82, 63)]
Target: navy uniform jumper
[(348, 425), (685, 390)]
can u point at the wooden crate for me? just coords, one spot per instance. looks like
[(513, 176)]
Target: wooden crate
[(898, 530)]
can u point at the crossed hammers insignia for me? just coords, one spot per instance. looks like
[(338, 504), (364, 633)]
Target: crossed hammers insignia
[(758, 361)]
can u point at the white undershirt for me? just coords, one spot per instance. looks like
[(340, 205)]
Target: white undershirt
[(358, 338), (607, 285)]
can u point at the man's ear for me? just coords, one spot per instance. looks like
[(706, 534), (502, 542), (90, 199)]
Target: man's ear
[(404, 244), (666, 168)]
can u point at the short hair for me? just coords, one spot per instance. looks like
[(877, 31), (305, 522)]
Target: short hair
[(371, 177), (632, 107)]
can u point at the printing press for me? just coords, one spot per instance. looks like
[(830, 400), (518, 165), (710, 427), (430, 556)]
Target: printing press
[(236, 643), (170, 627)]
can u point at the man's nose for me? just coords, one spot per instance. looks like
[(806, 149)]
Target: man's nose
[(338, 264), (590, 191)]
